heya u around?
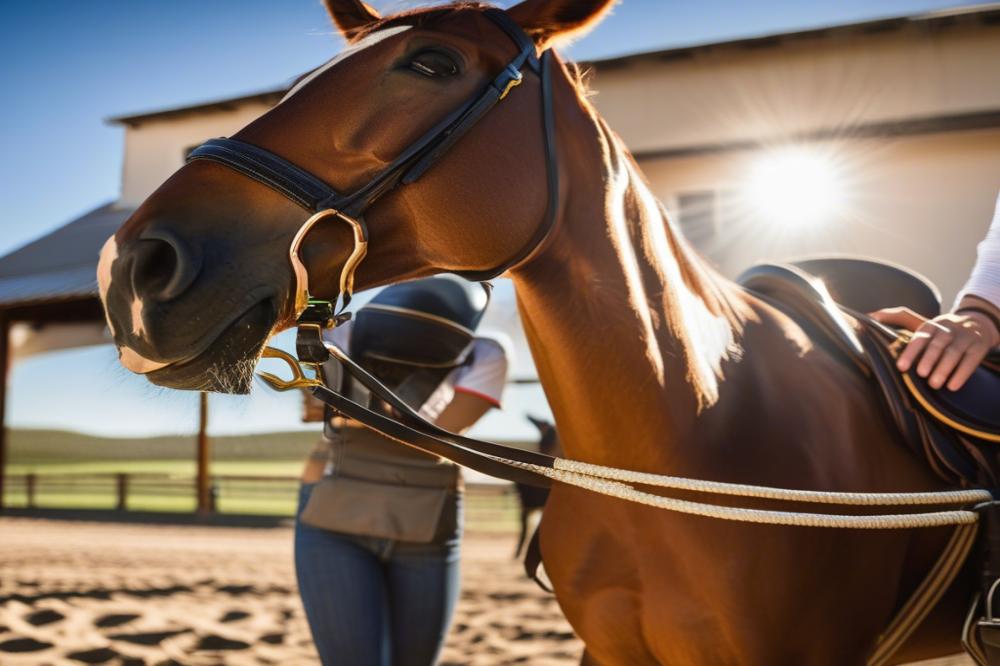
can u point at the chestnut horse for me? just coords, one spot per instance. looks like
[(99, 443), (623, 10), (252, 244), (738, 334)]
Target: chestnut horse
[(650, 360)]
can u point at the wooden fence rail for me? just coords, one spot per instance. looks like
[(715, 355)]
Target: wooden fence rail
[(488, 506)]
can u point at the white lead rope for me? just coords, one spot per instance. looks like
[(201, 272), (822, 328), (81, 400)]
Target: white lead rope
[(614, 488), (973, 496)]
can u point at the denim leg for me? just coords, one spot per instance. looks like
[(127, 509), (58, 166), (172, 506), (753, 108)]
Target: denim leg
[(342, 585), (423, 582)]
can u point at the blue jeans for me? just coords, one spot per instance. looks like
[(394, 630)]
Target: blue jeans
[(378, 602)]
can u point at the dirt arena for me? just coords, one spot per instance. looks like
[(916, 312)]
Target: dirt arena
[(73, 592), (105, 593)]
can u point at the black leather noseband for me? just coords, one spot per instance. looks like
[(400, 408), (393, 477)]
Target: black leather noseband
[(315, 195)]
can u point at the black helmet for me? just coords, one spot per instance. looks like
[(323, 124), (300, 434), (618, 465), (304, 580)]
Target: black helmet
[(428, 323)]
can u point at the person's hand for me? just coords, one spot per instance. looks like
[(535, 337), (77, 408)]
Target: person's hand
[(947, 348)]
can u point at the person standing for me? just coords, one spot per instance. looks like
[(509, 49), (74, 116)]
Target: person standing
[(378, 531)]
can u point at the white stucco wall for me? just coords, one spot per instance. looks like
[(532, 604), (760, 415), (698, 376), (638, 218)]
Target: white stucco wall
[(922, 201), (155, 148), (728, 93)]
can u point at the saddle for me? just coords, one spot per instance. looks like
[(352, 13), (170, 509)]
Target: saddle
[(956, 432)]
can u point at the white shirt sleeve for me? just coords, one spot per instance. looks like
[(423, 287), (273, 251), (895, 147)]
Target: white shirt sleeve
[(985, 279), (486, 376)]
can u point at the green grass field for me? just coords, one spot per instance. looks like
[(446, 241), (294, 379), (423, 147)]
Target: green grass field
[(75, 471)]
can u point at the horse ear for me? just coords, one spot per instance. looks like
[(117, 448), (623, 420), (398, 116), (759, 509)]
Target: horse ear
[(351, 16), (548, 20)]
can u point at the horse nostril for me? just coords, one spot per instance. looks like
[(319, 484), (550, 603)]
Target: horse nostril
[(163, 267)]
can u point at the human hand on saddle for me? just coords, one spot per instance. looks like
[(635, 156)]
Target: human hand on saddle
[(949, 347)]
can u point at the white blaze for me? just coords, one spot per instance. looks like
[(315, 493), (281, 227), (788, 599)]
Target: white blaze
[(108, 255), (357, 47), (131, 359)]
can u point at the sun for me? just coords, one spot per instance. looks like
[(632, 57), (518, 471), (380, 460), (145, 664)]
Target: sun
[(794, 188)]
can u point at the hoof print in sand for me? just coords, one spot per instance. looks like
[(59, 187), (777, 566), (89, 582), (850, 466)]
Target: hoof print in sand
[(216, 642), (148, 638), (23, 645), (43, 617), (234, 615), (114, 620), (98, 656)]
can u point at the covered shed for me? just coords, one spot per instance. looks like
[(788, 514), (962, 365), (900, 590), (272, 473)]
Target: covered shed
[(49, 301)]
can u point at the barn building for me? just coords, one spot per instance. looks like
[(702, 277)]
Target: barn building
[(879, 138)]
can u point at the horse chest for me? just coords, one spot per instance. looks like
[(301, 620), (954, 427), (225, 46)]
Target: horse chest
[(647, 587)]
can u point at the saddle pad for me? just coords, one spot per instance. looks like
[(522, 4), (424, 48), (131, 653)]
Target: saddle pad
[(975, 406)]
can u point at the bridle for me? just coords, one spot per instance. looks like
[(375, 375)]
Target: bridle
[(316, 196)]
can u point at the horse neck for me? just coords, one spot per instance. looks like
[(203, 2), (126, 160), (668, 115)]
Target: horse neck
[(628, 328)]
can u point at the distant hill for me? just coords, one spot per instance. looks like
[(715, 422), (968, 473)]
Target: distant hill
[(37, 446)]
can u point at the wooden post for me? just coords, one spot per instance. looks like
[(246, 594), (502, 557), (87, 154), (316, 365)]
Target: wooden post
[(122, 491), (29, 481), (204, 457), (4, 365)]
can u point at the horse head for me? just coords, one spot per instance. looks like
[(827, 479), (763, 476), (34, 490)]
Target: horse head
[(199, 277)]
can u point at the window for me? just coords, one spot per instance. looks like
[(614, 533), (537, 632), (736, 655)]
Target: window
[(697, 217), (705, 217)]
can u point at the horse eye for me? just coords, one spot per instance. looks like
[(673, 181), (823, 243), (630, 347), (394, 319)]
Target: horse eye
[(433, 63)]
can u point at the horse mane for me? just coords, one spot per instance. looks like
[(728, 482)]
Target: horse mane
[(686, 306)]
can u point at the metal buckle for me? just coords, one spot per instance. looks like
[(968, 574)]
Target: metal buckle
[(514, 82), (298, 380), (903, 338), (346, 273)]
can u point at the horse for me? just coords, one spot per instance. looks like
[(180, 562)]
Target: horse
[(650, 360), (531, 499)]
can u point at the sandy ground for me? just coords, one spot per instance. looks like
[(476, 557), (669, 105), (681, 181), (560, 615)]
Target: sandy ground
[(74, 593), (97, 593)]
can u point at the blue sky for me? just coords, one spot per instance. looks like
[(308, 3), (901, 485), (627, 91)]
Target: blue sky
[(69, 65)]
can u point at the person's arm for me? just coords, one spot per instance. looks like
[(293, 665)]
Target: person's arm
[(478, 388), (950, 347), (947, 348), (463, 411)]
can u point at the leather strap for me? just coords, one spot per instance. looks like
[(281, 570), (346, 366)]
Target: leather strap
[(417, 423), (429, 443), (265, 167), (315, 195), (552, 182)]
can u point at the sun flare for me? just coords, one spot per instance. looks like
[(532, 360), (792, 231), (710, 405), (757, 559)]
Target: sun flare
[(794, 187)]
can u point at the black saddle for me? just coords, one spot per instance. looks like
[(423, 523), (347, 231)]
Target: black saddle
[(866, 285), (957, 432)]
